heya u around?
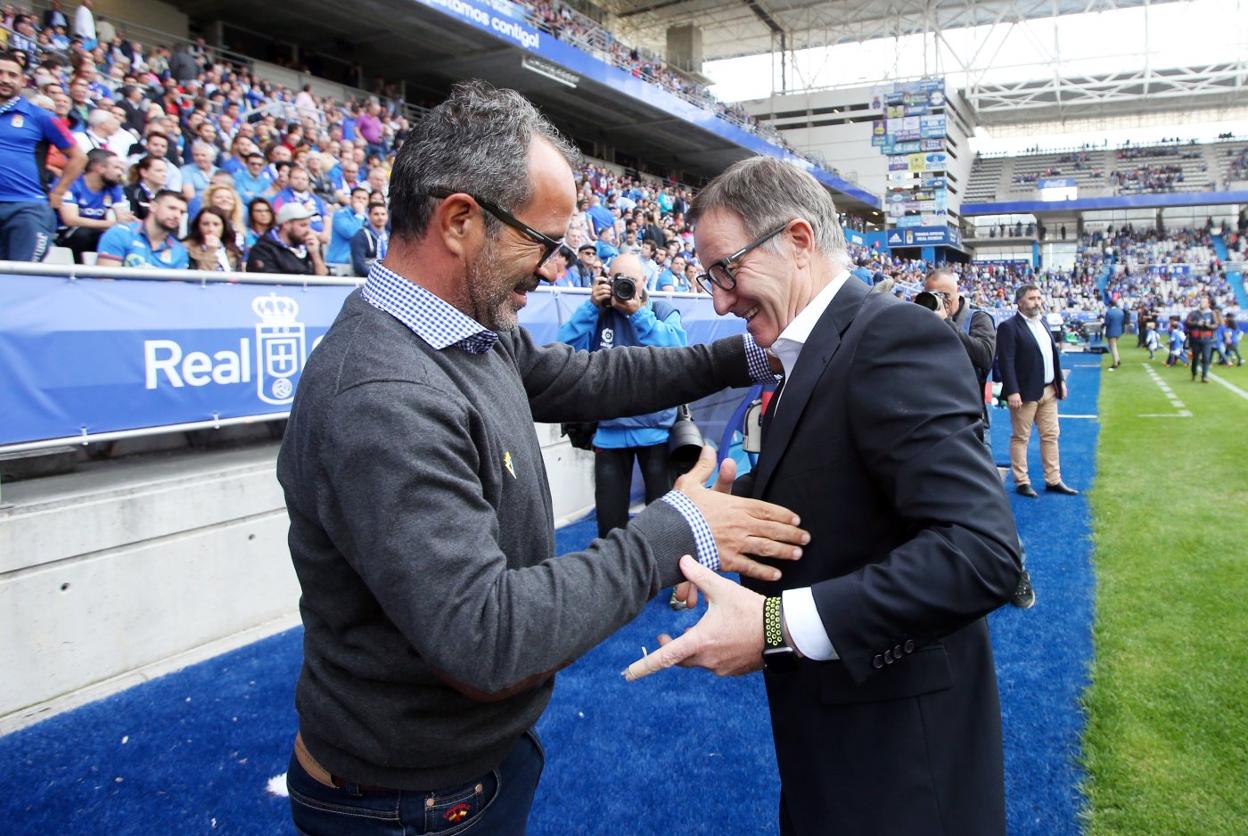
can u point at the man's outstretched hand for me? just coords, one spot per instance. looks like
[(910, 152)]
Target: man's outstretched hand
[(743, 528), (728, 640)]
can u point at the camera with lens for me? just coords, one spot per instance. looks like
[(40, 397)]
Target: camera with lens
[(933, 300), (623, 288)]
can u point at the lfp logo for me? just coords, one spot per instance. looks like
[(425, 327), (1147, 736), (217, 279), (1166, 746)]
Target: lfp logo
[(280, 351), (279, 347)]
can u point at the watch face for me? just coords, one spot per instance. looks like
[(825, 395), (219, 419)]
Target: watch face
[(780, 659)]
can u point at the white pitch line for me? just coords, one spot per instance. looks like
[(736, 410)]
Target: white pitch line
[(1183, 411), (1089, 417), (1228, 385)]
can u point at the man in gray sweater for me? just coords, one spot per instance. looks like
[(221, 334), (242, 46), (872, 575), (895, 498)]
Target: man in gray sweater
[(435, 611)]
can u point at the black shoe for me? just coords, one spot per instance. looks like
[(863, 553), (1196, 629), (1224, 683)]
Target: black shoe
[(1024, 596), (1061, 487), (1027, 490)]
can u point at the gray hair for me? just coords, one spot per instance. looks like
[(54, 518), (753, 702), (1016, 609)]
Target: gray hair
[(99, 116), (200, 145), (766, 192), (477, 142)]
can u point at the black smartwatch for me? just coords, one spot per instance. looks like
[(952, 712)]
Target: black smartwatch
[(778, 656)]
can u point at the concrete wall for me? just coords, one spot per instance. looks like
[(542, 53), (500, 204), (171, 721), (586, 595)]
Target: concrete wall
[(128, 564), (845, 146), (152, 14)]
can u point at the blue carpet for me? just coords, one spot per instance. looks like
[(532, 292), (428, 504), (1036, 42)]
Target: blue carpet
[(192, 752), (1043, 654)]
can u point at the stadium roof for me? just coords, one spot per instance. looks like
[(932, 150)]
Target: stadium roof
[(732, 28)]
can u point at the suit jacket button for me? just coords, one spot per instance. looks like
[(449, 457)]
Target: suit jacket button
[(897, 652), (877, 662), (909, 645), (888, 657)]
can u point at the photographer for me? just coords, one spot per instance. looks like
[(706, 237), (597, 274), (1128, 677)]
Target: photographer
[(618, 313), (978, 334)]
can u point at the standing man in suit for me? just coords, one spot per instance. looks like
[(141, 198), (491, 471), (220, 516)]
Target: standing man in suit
[(1031, 380), (877, 660), (1115, 325)]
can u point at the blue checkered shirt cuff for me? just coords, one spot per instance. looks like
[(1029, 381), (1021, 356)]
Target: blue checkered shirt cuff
[(708, 554), (756, 362)]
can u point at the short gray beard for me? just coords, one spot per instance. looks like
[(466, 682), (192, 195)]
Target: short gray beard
[(489, 298)]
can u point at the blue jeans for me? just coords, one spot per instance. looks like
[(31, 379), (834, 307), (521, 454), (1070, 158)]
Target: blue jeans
[(26, 230), (494, 804)]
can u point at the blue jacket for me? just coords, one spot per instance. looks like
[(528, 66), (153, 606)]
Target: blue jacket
[(1114, 321), (657, 324), (345, 224)]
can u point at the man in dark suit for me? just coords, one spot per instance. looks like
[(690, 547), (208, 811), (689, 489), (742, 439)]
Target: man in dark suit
[(879, 669), (1031, 380)]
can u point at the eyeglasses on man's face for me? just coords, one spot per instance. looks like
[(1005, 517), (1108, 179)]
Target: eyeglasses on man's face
[(723, 273), (549, 245)]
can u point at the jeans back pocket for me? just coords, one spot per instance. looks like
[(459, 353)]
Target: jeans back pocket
[(458, 808)]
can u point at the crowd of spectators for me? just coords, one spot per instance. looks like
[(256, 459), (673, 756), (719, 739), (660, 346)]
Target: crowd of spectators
[(1147, 178), (193, 161), (1237, 166), (567, 24), (183, 118)]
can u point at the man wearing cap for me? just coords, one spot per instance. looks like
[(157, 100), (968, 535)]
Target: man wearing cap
[(587, 267), (292, 247)]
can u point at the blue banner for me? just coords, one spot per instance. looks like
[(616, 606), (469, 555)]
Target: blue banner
[(93, 356), (923, 236)]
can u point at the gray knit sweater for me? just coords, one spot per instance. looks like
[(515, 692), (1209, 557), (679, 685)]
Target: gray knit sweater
[(422, 533)]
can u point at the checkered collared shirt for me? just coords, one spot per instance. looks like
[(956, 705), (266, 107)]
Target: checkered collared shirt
[(433, 319), (441, 325)]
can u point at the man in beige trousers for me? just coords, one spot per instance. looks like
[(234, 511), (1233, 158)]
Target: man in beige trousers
[(1031, 380)]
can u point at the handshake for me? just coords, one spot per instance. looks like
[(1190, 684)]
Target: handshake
[(728, 640)]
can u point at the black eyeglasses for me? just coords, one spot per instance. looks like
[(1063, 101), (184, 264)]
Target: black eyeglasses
[(722, 273), (549, 245)]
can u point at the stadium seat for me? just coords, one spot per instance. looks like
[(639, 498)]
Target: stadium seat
[(59, 255)]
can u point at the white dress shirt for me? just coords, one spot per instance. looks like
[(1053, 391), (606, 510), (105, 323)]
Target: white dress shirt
[(1040, 331), (800, 615)]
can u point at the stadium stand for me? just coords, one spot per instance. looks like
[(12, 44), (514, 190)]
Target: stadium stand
[(1104, 172)]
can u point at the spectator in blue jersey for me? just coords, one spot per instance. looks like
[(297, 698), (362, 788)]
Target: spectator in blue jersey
[(96, 201), (299, 190), (372, 240), (607, 321), (197, 174), (241, 147), (347, 221), (254, 181), (260, 219), (1114, 328), (1230, 337), (606, 248), (564, 259), (151, 242), (673, 277), (27, 217), (599, 215)]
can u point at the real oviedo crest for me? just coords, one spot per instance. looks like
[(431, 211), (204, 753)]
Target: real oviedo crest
[(280, 348)]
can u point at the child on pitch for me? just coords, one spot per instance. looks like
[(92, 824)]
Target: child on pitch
[(1177, 340), (1151, 341)]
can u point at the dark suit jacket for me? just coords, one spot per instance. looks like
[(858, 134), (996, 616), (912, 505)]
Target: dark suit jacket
[(874, 445), (1020, 362)]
